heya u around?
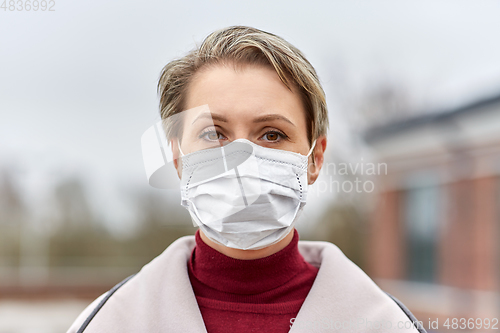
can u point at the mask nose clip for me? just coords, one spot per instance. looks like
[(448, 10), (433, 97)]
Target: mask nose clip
[(308, 154)]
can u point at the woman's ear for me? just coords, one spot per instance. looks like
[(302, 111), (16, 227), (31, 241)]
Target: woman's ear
[(174, 143), (314, 166)]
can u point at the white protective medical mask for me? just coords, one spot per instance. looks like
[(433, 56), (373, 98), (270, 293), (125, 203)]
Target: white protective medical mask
[(243, 195)]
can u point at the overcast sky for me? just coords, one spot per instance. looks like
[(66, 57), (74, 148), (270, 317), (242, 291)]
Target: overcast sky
[(78, 85)]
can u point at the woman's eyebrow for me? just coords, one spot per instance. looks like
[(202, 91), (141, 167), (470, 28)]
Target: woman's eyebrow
[(273, 116), (209, 115)]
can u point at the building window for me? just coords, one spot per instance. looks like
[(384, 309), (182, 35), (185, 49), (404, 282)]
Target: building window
[(421, 220)]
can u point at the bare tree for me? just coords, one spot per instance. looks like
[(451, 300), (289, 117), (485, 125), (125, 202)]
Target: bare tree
[(12, 215), (72, 205)]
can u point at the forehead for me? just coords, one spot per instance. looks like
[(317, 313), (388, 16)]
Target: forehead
[(244, 91)]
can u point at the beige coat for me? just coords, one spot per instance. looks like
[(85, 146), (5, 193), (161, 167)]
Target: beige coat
[(160, 299)]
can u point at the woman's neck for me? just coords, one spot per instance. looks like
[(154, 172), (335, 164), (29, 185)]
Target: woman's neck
[(248, 254)]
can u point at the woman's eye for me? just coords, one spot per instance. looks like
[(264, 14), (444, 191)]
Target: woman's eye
[(273, 136), (211, 135)]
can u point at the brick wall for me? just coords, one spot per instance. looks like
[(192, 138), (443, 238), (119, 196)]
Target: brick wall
[(386, 251)]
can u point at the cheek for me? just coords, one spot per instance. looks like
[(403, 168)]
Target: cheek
[(311, 165), (178, 167), (177, 162), (301, 119)]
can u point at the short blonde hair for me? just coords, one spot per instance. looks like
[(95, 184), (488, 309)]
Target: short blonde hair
[(243, 45)]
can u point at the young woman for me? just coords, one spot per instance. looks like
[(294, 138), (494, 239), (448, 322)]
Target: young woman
[(247, 119)]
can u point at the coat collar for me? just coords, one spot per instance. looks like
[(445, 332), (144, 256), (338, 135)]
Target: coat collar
[(160, 297)]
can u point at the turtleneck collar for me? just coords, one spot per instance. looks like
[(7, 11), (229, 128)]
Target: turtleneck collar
[(245, 277)]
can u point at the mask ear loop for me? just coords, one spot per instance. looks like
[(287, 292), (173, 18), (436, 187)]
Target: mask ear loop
[(312, 147), (180, 150), (310, 152)]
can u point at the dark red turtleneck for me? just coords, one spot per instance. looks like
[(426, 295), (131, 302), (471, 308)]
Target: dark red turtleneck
[(259, 295)]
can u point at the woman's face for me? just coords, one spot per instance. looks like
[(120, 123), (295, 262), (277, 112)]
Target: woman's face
[(251, 103)]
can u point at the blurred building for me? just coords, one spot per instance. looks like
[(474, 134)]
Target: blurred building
[(435, 229)]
